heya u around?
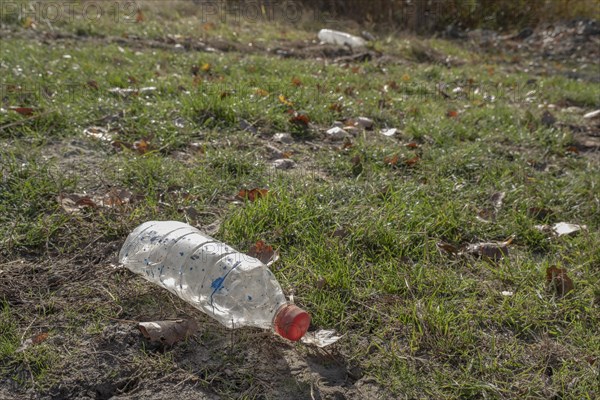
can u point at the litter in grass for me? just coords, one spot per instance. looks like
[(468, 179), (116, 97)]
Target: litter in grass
[(341, 38), (168, 332), (389, 132), (561, 228), (336, 134), (558, 280), (321, 338), (284, 163)]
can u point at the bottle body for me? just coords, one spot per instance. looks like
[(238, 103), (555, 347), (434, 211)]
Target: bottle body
[(232, 287)]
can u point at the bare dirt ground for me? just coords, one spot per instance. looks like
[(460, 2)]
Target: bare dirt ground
[(118, 363)]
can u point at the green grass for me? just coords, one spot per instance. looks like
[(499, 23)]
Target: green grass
[(419, 323)]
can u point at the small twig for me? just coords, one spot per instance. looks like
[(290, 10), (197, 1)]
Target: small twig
[(26, 329)]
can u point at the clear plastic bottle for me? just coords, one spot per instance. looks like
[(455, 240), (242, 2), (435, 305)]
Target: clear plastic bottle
[(232, 287), (341, 38)]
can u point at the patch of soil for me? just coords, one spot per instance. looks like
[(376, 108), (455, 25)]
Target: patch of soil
[(89, 309), (586, 138), (287, 49), (576, 41)]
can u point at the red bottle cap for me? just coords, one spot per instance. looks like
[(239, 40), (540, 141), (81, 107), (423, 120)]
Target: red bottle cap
[(291, 322)]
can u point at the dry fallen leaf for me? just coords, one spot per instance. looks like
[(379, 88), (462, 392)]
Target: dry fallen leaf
[(412, 161), (488, 251), (37, 339), (285, 101), (115, 198), (26, 111), (391, 160), (321, 283), (252, 194), (168, 332), (139, 16), (558, 280), (93, 84), (141, 146), (32, 341), (28, 23), (74, 203), (261, 92), (300, 119), (497, 199), (572, 149), (263, 252), (209, 26), (489, 214), (486, 215)]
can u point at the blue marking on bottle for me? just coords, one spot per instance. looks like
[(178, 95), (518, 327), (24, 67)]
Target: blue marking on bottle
[(217, 284)]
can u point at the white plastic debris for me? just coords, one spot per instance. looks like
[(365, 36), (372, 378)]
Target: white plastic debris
[(564, 228), (284, 163), (336, 133), (98, 132), (341, 38), (389, 132), (364, 122), (321, 338), (592, 114), (561, 228)]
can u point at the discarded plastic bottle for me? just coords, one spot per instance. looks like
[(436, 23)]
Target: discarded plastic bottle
[(340, 38), (232, 287)]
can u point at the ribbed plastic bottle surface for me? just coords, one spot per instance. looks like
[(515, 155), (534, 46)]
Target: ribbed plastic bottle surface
[(234, 288)]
